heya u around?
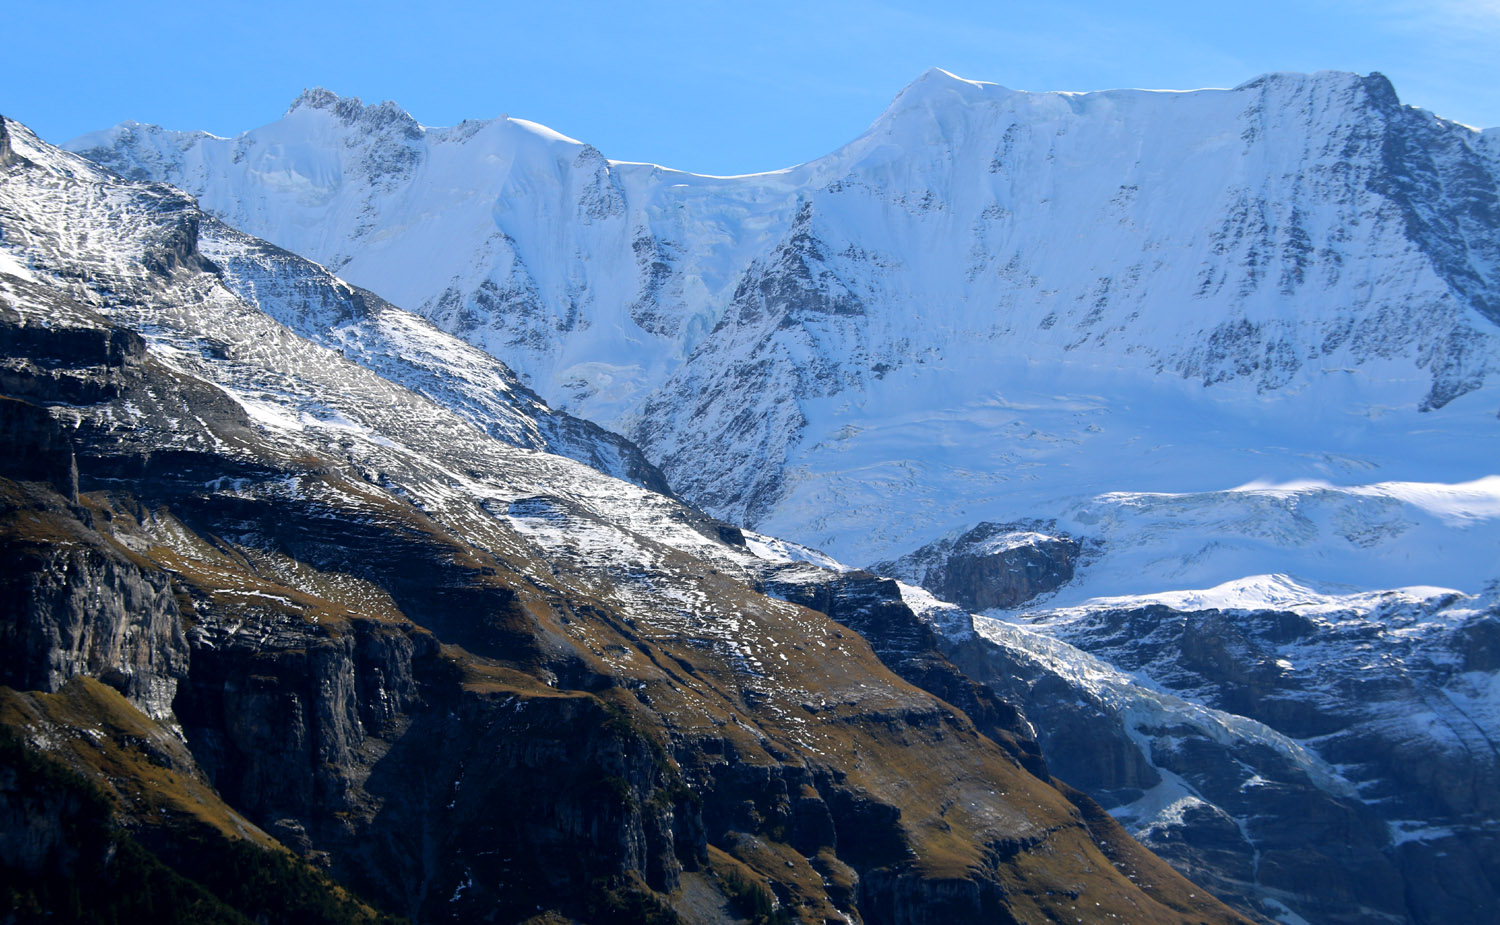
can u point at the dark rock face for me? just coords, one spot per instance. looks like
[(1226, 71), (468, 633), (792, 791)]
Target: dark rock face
[(872, 606), (293, 698), (40, 822), (87, 611), (186, 860), (939, 902), (1447, 197), (1251, 821), (445, 803), (8, 155), (991, 565), (38, 450), (71, 603), (80, 363)]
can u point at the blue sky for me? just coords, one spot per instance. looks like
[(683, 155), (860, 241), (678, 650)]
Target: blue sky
[(709, 86)]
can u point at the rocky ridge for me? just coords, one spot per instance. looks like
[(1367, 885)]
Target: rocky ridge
[(1393, 691), (991, 565)]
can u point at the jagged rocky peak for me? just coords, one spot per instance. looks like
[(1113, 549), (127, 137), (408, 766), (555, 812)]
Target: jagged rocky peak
[(353, 112), (320, 98)]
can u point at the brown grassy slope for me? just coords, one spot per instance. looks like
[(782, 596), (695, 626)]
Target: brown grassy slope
[(925, 798)]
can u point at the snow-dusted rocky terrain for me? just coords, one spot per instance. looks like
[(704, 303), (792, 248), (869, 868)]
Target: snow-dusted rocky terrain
[(1321, 757)]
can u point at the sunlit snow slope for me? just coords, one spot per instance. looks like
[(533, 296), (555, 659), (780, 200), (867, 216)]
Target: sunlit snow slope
[(993, 305)]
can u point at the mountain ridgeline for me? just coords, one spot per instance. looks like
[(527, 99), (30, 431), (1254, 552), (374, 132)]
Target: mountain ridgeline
[(1168, 421), (1031, 276)]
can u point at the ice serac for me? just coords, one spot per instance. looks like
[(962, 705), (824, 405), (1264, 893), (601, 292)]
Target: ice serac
[(469, 679)]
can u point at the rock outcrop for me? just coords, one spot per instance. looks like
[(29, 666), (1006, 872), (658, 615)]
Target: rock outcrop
[(991, 565)]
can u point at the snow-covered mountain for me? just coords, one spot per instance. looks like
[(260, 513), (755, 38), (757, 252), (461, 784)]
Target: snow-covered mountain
[(993, 305), (262, 597), (1213, 373)]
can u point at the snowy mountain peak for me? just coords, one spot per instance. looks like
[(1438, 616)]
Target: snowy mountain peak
[(551, 135), (936, 83), (936, 96), (949, 319), (19, 144), (1303, 79)]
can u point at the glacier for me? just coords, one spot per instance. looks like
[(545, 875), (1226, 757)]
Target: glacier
[(993, 305)]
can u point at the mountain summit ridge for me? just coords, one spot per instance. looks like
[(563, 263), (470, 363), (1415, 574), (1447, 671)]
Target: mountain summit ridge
[(1298, 241)]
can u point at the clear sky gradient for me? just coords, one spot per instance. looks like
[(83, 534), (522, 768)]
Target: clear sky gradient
[(708, 86)]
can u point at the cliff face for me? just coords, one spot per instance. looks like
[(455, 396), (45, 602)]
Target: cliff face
[(469, 678), (75, 605), (82, 612)]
